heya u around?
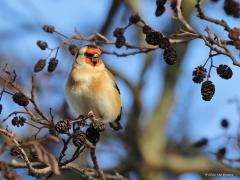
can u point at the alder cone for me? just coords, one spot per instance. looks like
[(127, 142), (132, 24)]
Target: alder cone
[(73, 49), (207, 90), (48, 28), (120, 41), (39, 66), (78, 138), (93, 135), (134, 19), (63, 126), (42, 45), (154, 38), (170, 56), (118, 32), (232, 8), (52, 65), (20, 99), (146, 29), (224, 71), (199, 74), (18, 121)]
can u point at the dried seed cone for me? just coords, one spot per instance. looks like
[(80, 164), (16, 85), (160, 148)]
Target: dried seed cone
[(118, 32), (232, 8), (73, 49), (63, 126), (52, 65), (234, 34), (199, 74), (20, 99), (224, 71), (164, 43), (48, 28), (42, 45), (154, 38), (207, 90), (39, 66), (93, 135), (146, 29), (120, 41), (98, 125), (18, 121), (170, 56), (78, 138), (134, 19)]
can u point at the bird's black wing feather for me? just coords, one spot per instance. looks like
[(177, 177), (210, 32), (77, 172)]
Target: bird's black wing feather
[(116, 124)]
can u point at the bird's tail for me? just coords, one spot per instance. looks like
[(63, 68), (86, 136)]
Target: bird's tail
[(116, 125)]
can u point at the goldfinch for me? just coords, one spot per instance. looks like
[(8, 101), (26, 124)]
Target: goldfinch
[(92, 87)]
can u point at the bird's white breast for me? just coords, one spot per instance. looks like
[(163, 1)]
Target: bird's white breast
[(94, 92), (78, 96)]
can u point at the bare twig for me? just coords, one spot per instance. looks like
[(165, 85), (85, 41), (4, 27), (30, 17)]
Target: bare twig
[(201, 15), (24, 155), (95, 163), (181, 18)]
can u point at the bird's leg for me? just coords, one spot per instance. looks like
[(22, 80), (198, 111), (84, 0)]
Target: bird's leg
[(91, 114), (93, 117), (97, 122), (80, 121)]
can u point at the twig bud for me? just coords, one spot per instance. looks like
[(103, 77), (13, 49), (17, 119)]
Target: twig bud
[(48, 28), (42, 45), (52, 64), (39, 66), (20, 99)]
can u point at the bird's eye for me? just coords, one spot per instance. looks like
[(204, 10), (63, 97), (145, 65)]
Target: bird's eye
[(88, 55)]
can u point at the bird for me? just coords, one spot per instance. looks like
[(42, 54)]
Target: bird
[(91, 87)]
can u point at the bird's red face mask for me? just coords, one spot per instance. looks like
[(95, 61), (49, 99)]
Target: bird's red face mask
[(92, 56)]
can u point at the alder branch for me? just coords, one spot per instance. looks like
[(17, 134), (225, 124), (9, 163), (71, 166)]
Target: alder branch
[(181, 18), (201, 15), (95, 162), (72, 128), (186, 35)]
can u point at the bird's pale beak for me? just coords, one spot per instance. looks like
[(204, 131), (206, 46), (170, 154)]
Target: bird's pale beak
[(95, 59), (96, 56)]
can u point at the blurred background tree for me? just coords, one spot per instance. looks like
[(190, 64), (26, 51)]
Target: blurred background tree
[(164, 116)]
